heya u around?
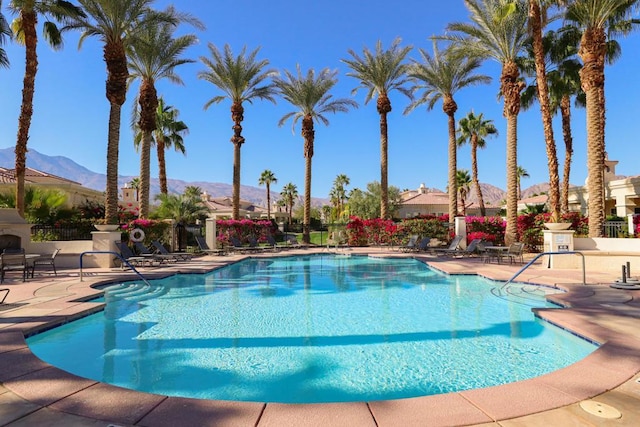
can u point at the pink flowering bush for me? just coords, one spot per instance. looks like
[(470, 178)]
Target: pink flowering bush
[(152, 229), (243, 229)]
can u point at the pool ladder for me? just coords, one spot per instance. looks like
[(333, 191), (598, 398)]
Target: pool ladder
[(530, 263), (117, 255)]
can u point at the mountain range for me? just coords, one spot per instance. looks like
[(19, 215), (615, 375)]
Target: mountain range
[(67, 168)]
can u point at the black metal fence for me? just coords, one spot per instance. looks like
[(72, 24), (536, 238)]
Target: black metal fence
[(50, 232)]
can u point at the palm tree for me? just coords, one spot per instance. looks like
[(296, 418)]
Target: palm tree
[(463, 184), (24, 27), (241, 78), (441, 76), (169, 133), (193, 191), (521, 173), (597, 20), (117, 23), (288, 196), (537, 21), (381, 72), (267, 178), (182, 208), (153, 56), (5, 33), (135, 184), (564, 83), (310, 95), (474, 129), (339, 185), (501, 38)]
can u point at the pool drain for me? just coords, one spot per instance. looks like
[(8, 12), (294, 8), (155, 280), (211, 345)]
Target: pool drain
[(601, 410)]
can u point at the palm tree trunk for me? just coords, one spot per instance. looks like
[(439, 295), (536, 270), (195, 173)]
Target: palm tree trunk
[(162, 165), (111, 198), (535, 20), (145, 161), (474, 173), (384, 108), (592, 52), (237, 115), (449, 106), (511, 88), (308, 133), (565, 111), (29, 20), (116, 92), (268, 201)]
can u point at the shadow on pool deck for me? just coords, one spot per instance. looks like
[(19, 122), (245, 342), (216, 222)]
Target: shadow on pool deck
[(35, 393)]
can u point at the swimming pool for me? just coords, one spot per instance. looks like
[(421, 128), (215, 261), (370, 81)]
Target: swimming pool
[(312, 329)]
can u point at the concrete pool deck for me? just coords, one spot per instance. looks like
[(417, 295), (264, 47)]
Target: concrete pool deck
[(605, 383)]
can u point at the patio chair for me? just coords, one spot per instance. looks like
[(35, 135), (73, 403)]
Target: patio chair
[(423, 244), (292, 241), (272, 243), (411, 244), (237, 246), (454, 247), (180, 256), (514, 253), (13, 261), (470, 250), (47, 261), (134, 260), (202, 245), (146, 252)]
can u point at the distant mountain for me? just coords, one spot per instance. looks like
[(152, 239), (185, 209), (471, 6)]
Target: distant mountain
[(67, 168)]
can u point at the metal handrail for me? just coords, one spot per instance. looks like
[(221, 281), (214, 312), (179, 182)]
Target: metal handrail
[(121, 259), (584, 274)]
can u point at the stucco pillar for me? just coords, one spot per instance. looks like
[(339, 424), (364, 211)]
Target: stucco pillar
[(211, 233), (460, 227), (103, 241)]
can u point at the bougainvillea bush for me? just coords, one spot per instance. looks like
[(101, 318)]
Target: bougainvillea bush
[(152, 229), (243, 229), (488, 228), (426, 226)]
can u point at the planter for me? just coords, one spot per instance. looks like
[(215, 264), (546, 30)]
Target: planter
[(557, 225), (106, 227)]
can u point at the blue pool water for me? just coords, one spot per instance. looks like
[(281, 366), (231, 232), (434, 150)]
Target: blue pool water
[(312, 329)]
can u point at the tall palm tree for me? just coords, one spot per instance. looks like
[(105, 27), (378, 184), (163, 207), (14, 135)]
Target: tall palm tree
[(289, 195), (154, 55), (537, 21), (169, 133), (501, 38), (135, 184), (309, 94), (339, 185), (24, 27), (380, 73), (598, 20), (267, 178), (182, 208), (440, 76), (116, 23), (564, 83), (521, 173), (5, 33), (242, 78), (463, 184), (474, 129)]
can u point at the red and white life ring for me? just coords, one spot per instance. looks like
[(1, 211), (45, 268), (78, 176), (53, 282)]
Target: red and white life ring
[(136, 235)]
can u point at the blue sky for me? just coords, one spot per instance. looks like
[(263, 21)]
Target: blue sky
[(71, 111)]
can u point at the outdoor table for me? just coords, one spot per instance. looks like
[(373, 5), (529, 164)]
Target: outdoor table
[(495, 252)]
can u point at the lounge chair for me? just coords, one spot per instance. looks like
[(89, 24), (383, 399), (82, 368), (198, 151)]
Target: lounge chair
[(237, 246), (128, 255), (423, 244), (470, 250), (180, 256), (513, 253), (453, 247), (272, 243), (292, 241), (202, 244), (46, 261), (411, 244), (146, 252), (13, 261)]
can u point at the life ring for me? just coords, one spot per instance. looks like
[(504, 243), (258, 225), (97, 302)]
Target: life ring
[(136, 235)]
